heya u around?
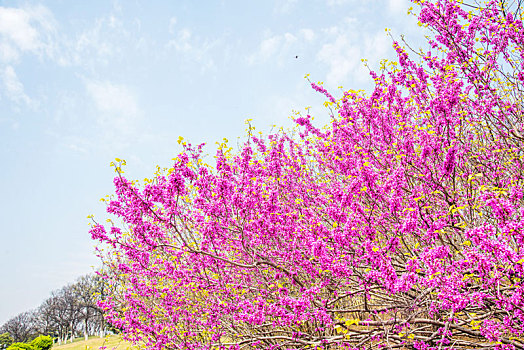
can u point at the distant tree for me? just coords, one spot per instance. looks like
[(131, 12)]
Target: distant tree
[(21, 327), (88, 290), (69, 312), (45, 322), (50, 317), (5, 340), (68, 306), (59, 315)]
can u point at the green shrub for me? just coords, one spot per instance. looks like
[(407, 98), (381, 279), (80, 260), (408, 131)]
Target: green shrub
[(43, 342), (5, 340), (20, 346)]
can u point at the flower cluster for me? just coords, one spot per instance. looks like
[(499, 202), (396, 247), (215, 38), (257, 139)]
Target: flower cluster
[(400, 224)]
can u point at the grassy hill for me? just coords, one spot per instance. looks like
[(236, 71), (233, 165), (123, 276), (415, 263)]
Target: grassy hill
[(94, 343)]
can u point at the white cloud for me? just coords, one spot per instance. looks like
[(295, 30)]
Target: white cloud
[(15, 26), (13, 88), (114, 22), (289, 38), (195, 49), (25, 29), (268, 47), (285, 6), (76, 144), (112, 98), (276, 47), (337, 2), (398, 7), (342, 56), (182, 42), (103, 42), (117, 106), (172, 24), (10, 121), (96, 44), (307, 34), (344, 48), (376, 47)]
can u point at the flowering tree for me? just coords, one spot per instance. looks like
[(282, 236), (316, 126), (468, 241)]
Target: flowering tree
[(399, 225)]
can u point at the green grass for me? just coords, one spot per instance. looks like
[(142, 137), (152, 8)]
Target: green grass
[(94, 343)]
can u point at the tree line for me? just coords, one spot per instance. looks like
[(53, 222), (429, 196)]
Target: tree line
[(69, 312)]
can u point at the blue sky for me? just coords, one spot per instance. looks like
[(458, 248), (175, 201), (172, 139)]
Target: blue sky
[(83, 82)]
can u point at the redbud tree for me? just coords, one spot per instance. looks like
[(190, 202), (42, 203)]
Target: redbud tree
[(398, 225)]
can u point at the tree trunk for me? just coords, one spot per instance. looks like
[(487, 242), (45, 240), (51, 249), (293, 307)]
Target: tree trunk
[(85, 324)]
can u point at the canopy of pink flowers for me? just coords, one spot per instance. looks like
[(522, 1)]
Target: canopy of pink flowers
[(398, 225)]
